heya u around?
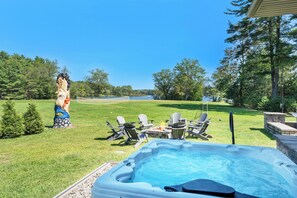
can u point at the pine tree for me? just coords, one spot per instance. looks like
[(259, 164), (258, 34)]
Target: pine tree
[(263, 50), (11, 124), (32, 120)]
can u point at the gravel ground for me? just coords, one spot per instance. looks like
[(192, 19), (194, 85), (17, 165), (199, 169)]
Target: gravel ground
[(82, 188)]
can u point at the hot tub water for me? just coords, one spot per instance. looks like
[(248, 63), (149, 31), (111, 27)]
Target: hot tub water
[(257, 171), (245, 174)]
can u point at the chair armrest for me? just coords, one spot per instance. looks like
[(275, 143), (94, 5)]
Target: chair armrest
[(183, 120), (191, 125), (200, 122), (143, 131)]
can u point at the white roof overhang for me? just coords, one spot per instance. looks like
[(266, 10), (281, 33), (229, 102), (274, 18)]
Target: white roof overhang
[(269, 8)]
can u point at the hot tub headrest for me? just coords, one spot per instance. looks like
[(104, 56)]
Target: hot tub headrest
[(206, 187)]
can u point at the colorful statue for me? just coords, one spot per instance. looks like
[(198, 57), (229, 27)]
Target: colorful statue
[(62, 117)]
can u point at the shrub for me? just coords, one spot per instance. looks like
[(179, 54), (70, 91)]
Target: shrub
[(32, 120), (275, 104), (290, 105), (264, 103), (11, 124)]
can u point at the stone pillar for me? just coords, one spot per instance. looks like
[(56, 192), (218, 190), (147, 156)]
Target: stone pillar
[(273, 117), (62, 116)]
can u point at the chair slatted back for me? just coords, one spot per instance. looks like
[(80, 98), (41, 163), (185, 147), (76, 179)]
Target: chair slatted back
[(178, 133), (175, 118), (121, 120), (143, 119), (204, 126), (110, 126), (203, 117), (132, 133)]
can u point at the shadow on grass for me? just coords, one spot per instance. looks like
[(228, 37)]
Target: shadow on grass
[(119, 144), (269, 135), (123, 143), (213, 107), (49, 126), (183, 106), (100, 138)]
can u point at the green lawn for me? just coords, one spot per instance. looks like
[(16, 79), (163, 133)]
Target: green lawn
[(44, 164)]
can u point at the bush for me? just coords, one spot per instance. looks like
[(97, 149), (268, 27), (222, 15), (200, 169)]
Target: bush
[(264, 103), (11, 124), (32, 120), (274, 104), (290, 105)]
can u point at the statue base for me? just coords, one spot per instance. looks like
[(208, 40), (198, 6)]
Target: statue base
[(62, 123)]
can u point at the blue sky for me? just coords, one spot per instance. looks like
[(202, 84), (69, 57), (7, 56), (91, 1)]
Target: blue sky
[(128, 39)]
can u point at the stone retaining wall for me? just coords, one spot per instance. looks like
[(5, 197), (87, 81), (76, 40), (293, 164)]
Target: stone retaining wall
[(273, 117), (280, 128), (291, 124), (288, 146)]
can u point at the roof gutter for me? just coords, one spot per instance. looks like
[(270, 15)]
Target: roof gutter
[(254, 7)]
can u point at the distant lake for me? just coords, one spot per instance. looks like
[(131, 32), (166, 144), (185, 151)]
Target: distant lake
[(148, 97), (206, 99)]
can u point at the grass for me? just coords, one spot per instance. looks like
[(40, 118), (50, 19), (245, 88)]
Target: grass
[(43, 165)]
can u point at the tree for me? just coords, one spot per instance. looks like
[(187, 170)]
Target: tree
[(80, 89), (125, 90), (4, 80), (164, 82), (41, 79), (24, 78), (117, 91), (32, 120), (226, 74), (241, 37), (263, 49), (11, 124), (12, 73), (189, 79), (98, 81), (47, 74), (278, 47)]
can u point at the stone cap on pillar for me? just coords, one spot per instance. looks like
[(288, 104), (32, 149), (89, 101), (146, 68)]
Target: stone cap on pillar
[(274, 113)]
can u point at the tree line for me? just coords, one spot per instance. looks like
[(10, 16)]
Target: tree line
[(259, 68), (26, 78)]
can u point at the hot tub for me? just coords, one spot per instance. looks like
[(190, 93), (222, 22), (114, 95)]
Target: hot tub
[(256, 171)]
